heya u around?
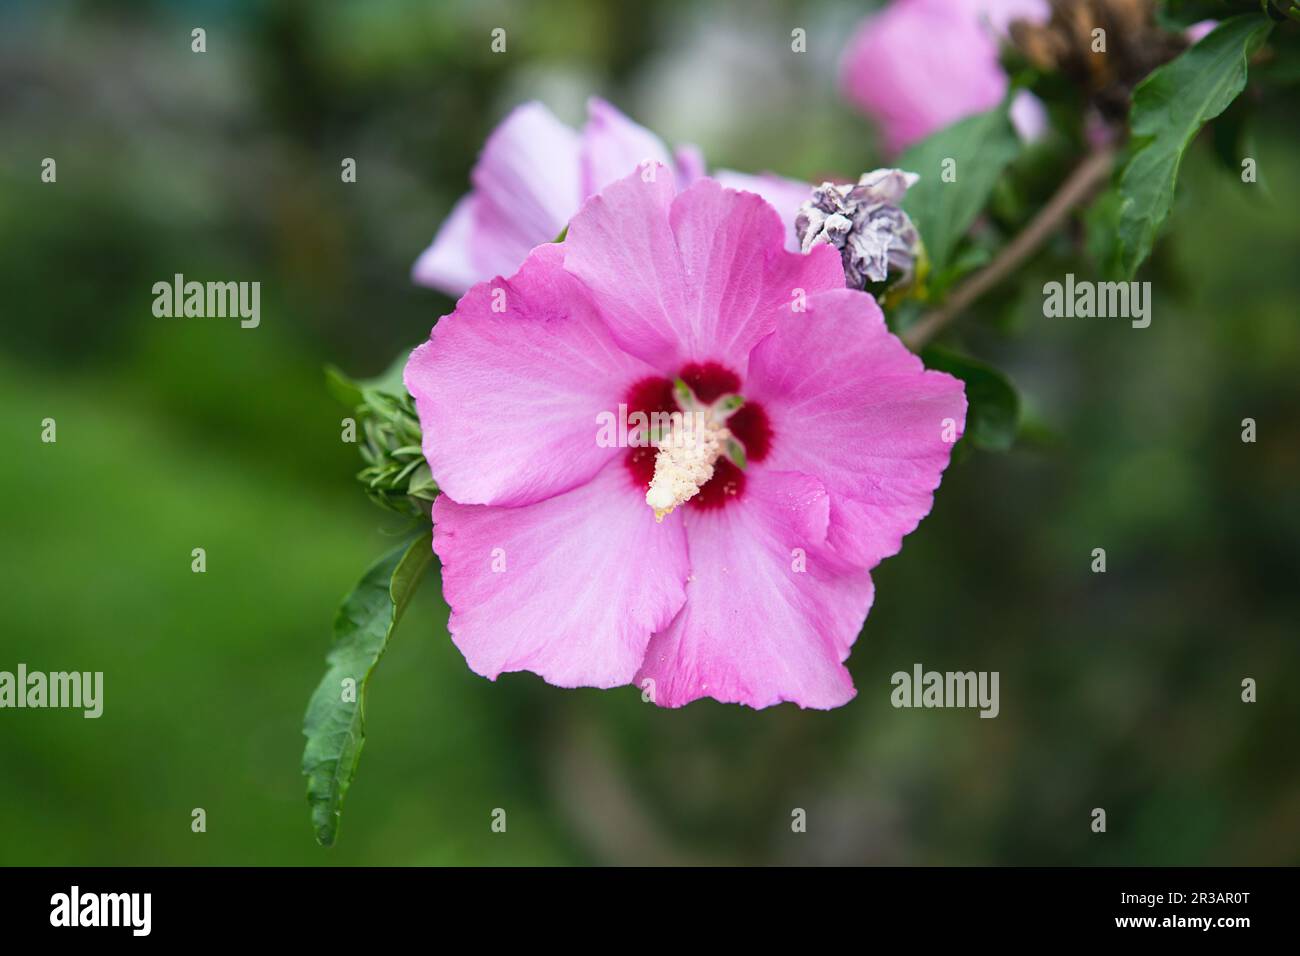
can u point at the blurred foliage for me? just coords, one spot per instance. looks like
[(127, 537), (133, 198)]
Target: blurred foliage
[(1118, 690)]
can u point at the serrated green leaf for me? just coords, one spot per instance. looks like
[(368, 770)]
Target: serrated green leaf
[(1101, 222), (1169, 107), (993, 405), (334, 726), (981, 146)]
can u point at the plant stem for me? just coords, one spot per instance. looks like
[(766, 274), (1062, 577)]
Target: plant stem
[(1077, 188)]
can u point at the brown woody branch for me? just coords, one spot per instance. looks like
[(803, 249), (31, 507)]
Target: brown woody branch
[(1076, 189)]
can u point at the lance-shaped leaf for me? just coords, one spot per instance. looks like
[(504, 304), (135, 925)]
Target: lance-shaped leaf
[(1169, 107), (335, 724)]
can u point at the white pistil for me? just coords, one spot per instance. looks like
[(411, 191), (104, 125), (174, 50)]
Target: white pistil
[(685, 460)]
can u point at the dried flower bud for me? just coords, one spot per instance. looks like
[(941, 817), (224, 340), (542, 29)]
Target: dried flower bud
[(864, 221)]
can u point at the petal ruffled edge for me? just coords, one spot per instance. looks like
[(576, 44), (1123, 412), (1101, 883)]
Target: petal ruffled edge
[(570, 588)]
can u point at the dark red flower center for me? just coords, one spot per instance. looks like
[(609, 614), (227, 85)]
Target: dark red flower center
[(709, 381)]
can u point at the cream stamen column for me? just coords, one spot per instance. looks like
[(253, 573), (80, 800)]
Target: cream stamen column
[(685, 460)]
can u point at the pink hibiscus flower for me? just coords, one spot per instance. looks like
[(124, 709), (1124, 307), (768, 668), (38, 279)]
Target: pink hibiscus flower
[(533, 174), (755, 583), (920, 65)]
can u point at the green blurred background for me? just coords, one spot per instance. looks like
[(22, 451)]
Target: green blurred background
[(1119, 690)]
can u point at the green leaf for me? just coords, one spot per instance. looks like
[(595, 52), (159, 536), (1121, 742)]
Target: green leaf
[(993, 413), (335, 727), (1169, 108), (981, 146), (1101, 222)]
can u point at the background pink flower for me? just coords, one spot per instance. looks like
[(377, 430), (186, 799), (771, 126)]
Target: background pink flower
[(1200, 30), (754, 590), (533, 174), (920, 65)]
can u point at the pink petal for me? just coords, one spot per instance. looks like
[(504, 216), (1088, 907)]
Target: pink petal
[(446, 265), (586, 577), (621, 246), (755, 630), (918, 66), (613, 146), (526, 186), (1199, 31), (508, 400), (851, 405), (698, 278), (528, 182), (785, 196)]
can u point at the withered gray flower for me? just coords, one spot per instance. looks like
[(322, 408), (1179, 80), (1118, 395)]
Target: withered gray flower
[(865, 223)]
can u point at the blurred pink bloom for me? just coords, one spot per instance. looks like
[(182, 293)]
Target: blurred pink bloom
[(533, 174), (920, 65), (1199, 31), (1028, 116), (755, 588)]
